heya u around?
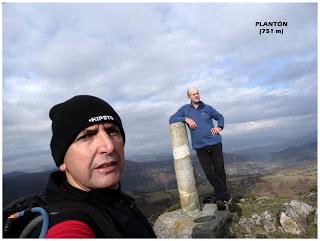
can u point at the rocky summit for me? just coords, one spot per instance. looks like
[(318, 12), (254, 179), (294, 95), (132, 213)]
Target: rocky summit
[(276, 217)]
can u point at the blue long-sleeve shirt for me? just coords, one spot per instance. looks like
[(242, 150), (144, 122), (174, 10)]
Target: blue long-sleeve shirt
[(203, 116)]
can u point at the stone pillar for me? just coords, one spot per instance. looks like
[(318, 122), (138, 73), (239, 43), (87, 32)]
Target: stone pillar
[(188, 191), (189, 221)]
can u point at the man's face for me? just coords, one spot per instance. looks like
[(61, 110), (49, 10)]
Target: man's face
[(96, 158), (194, 95)]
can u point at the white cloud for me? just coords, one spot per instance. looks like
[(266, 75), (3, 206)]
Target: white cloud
[(142, 57)]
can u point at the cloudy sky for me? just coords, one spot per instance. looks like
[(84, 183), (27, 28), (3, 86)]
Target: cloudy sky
[(141, 58)]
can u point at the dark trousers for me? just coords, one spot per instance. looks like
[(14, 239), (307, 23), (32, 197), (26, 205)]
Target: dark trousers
[(212, 162)]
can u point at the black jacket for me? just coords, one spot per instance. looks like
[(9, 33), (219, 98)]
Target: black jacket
[(126, 219)]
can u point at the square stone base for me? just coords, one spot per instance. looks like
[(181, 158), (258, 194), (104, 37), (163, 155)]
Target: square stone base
[(207, 223)]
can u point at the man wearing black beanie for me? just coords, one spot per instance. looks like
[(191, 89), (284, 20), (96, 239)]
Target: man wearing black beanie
[(87, 146)]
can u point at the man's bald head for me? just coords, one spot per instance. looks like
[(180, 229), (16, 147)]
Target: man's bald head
[(194, 95), (192, 90)]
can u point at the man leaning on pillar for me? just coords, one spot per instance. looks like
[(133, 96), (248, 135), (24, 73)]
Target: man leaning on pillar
[(207, 142)]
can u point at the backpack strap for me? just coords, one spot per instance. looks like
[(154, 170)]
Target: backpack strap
[(25, 202), (103, 222), (12, 227)]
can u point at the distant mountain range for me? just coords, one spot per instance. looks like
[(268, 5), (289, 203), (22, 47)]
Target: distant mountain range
[(146, 177)]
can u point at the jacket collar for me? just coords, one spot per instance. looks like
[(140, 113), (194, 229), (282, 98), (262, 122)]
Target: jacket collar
[(200, 106), (58, 189)]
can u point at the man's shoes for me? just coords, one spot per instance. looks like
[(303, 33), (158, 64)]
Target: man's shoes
[(221, 205), (231, 204)]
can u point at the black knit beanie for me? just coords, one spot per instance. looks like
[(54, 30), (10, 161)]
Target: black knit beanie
[(74, 115)]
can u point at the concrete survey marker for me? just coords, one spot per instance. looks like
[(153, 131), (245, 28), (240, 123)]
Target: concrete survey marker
[(192, 220)]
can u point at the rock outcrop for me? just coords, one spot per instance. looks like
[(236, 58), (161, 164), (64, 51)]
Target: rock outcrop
[(293, 217), (259, 225)]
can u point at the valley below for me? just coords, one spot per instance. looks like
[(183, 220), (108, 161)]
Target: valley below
[(284, 174)]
